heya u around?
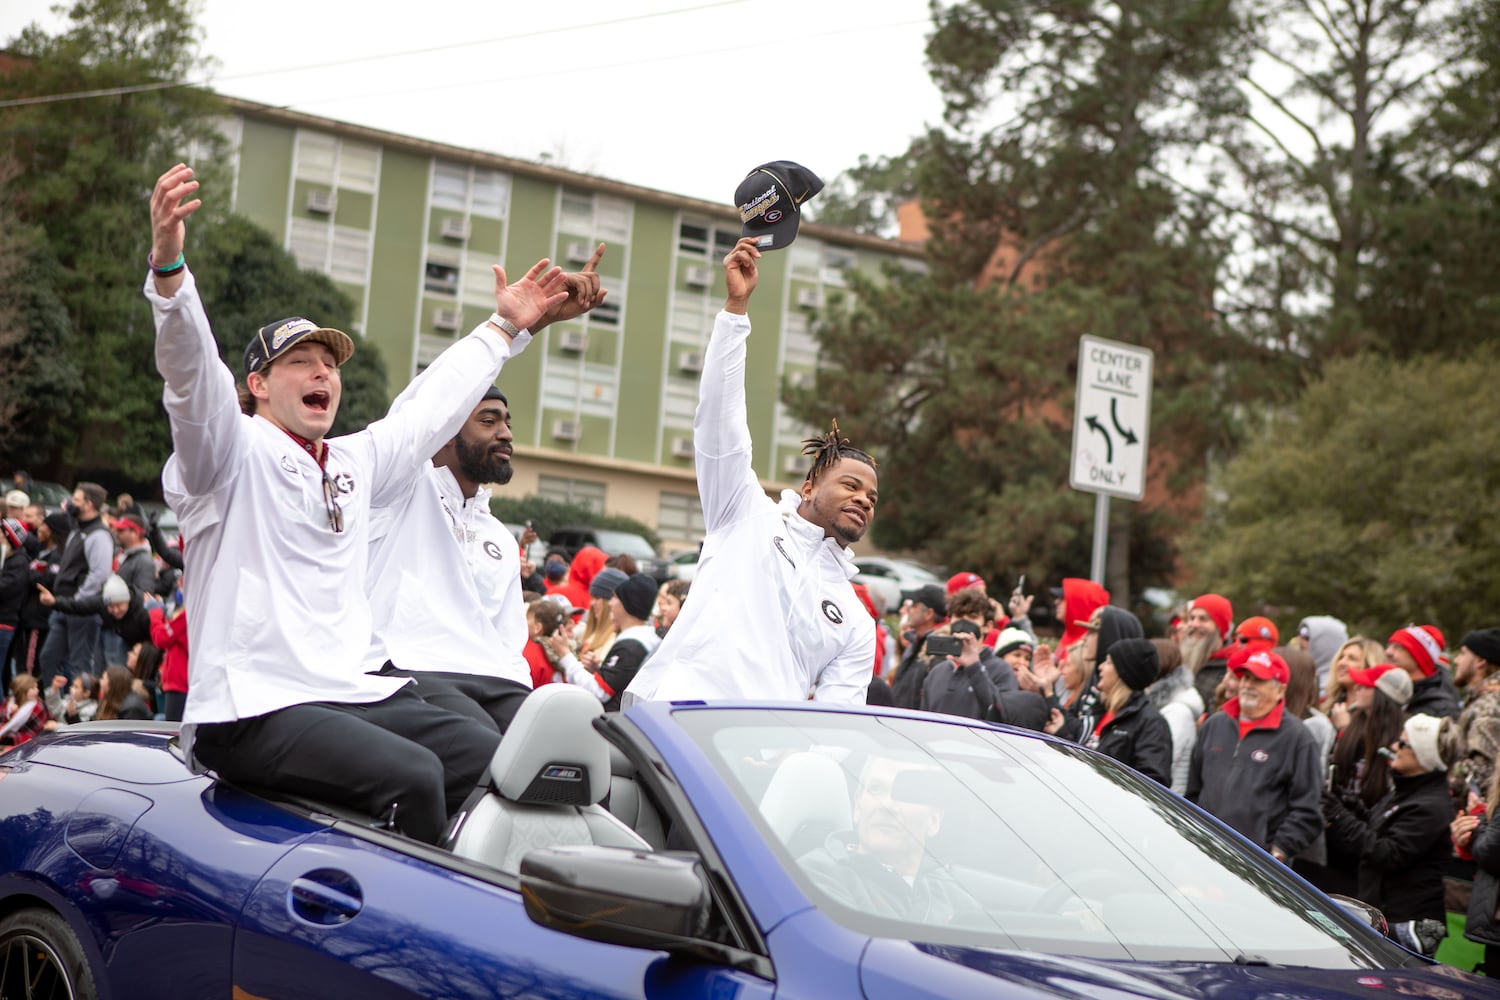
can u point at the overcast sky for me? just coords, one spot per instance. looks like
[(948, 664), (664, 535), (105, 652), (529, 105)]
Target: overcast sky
[(686, 101)]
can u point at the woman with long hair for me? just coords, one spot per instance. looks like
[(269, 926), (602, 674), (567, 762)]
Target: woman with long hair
[(1360, 775), (1358, 653), (1302, 695), (117, 700)]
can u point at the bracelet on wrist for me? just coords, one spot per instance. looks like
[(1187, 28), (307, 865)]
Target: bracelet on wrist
[(504, 324), (168, 270)]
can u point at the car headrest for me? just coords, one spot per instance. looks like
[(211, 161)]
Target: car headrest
[(551, 754)]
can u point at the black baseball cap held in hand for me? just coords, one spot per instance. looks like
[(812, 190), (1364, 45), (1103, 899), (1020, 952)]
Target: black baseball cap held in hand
[(275, 339), (768, 200)]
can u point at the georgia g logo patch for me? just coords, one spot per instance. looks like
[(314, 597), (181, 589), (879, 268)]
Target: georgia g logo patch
[(832, 613), (1260, 756), (493, 551)]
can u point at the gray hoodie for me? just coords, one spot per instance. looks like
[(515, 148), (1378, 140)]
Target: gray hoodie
[(1325, 636)]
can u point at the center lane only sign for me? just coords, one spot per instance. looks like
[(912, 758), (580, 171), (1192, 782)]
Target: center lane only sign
[(1112, 418)]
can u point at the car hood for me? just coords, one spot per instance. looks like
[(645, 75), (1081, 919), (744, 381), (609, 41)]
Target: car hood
[(896, 970)]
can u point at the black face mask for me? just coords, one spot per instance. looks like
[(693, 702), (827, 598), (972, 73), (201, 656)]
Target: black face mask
[(70, 507)]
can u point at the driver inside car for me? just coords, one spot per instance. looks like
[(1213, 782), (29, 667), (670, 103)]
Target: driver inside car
[(882, 867)]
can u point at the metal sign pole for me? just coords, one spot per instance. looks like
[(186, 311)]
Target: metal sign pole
[(1101, 537)]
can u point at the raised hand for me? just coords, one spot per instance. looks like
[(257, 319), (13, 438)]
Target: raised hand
[(584, 293), (524, 302), (169, 212), (741, 274)]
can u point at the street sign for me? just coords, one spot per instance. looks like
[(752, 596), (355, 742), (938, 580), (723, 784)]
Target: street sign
[(1111, 418)]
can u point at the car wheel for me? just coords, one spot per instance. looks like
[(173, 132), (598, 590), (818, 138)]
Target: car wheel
[(41, 959)]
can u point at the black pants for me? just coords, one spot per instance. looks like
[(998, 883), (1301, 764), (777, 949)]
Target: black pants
[(172, 704), (490, 701), (399, 756)]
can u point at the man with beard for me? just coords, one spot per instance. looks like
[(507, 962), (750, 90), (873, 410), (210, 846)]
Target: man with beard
[(1204, 642), (1474, 742), (773, 614), (445, 573), (1256, 767)]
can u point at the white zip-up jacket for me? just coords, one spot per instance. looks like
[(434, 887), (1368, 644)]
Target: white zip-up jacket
[(279, 614), (445, 583), (771, 613)]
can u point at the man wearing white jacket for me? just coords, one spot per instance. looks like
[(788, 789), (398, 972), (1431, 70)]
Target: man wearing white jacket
[(773, 614), (445, 573), (276, 522)]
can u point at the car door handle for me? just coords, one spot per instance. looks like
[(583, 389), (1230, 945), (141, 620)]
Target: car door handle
[(325, 897)]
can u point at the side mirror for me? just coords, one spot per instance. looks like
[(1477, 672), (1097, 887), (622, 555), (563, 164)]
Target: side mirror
[(618, 895), (1363, 911)]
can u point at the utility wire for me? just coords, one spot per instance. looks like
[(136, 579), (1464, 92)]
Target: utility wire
[(354, 60)]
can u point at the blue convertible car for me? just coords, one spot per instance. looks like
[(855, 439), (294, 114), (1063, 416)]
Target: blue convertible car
[(741, 851)]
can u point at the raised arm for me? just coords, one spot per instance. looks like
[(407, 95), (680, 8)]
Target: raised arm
[(727, 482), (581, 293), (435, 407), (199, 396)]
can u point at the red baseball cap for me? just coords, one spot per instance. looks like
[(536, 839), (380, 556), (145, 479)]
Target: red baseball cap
[(1263, 664), (961, 581)]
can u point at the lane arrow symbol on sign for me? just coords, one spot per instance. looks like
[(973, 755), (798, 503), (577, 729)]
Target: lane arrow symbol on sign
[(1114, 416), (1109, 444)]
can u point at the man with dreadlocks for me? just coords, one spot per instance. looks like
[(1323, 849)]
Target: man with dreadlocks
[(773, 614)]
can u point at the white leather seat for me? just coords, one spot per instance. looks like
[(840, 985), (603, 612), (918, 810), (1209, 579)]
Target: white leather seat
[(806, 800), (548, 776)]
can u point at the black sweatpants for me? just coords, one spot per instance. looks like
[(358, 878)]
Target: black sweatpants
[(401, 753), (490, 701)]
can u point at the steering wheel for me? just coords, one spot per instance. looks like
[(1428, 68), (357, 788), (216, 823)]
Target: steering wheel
[(1053, 899)]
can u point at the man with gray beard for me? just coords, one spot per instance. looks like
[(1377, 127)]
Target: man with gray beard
[(1203, 641)]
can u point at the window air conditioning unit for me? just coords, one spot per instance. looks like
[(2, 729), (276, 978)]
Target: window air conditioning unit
[(322, 202), (700, 277), (579, 251), (795, 465), (566, 430), (446, 319), (810, 298), (455, 229), (573, 340), (682, 447), (690, 361)]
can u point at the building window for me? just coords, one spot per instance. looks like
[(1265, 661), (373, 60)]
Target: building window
[(582, 492), (702, 239), (680, 515), (441, 278)]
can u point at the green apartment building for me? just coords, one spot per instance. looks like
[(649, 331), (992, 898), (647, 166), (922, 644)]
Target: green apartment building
[(602, 406)]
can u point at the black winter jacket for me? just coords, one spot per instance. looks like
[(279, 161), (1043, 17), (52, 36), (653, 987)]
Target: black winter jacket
[(1267, 786), (969, 692), (133, 628), (1139, 736), (1435, 696), (1483, 923), (1402, 847), (1114, 624), (15, 584)]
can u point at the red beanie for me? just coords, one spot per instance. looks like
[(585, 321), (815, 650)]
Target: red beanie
[(1218, 608), (1425, 644)]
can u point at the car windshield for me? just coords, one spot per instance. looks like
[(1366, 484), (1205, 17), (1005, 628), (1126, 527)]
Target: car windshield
[(625, 543), (950, 834)]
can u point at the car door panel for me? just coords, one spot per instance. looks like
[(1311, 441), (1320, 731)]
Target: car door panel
[(341, 917)]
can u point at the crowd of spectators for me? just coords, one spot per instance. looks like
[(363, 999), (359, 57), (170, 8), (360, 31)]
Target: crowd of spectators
[(84, 590), (1368, 767)]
